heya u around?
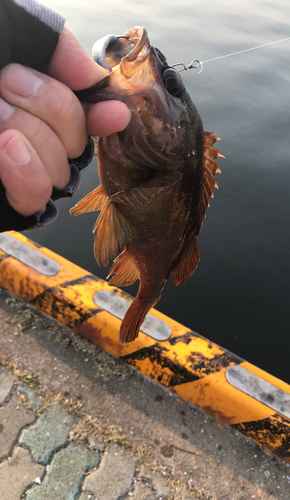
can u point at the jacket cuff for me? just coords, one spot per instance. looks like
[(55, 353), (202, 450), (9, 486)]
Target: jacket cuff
[(12, 220), (76, 165)]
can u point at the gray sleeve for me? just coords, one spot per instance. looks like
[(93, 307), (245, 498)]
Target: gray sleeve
[(50, 17)]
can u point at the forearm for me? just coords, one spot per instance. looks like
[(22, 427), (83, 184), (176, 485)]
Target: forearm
[(29, 34)]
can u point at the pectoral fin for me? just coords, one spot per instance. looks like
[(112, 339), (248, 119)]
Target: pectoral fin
[(135, 196), (138, 195), (93, 202), (110, 234)]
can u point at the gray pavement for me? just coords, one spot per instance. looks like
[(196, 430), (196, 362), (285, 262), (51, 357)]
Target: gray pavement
[(76, 424)]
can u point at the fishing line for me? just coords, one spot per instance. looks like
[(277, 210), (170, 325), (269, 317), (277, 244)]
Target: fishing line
[(196, 64)]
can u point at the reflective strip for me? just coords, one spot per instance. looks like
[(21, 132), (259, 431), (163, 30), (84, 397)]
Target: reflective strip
[(259, 389), (118, 306), (28, 255)]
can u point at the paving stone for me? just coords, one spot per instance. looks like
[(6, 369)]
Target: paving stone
[(161, 486), (18, 473), (113, 480), (12, 420), (184, 495), (49, 434), (31, 395), (143, 491), (64, 478), (152, 483), (96, 444), (6, 384), (86, 496)]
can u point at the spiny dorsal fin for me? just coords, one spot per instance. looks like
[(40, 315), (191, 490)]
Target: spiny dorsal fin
[(187, 264), (208, 182), (209, 161), (110, 234), (124, 271), (210, 138), (93, 202), (210, 167)]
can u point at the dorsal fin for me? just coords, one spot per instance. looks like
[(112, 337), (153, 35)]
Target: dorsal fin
[(110, 234), (124, 271), (209, 160), (93, 202), (187, 263), (210, 168), (210, 138), (190, 255)]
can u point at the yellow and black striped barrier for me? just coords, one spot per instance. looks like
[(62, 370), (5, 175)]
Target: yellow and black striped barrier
[(223, 385)]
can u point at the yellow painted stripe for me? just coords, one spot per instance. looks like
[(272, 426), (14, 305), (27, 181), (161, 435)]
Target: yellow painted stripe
[(221, 400), (186, 363)]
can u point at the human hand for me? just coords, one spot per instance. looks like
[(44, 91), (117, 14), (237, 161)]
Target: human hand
[(42, 123)]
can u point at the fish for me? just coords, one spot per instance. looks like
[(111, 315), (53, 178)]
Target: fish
[(156, 176)]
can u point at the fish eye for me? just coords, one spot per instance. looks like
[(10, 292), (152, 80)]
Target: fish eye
[(171, 81)]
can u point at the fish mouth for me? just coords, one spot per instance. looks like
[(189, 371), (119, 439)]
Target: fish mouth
[(139, 75), (128, 50), (127, 53)]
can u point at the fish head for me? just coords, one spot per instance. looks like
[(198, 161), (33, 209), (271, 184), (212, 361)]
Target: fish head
[(165, 132), (165, 127)]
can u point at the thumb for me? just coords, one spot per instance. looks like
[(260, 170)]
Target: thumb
[(71, 65)]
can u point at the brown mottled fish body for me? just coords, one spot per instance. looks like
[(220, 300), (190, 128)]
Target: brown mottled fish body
[(156, 177)]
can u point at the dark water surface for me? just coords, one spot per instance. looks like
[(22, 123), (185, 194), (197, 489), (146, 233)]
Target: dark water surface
[(239, 295)]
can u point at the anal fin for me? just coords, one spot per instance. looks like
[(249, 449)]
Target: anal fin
[(93, 202), (124, 271), (110, 234)]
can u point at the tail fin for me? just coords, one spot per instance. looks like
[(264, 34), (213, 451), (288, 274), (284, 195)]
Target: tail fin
[(134, 318)]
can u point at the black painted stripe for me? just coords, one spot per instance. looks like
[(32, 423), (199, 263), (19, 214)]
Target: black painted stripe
[(80, 281), (61, 309), (267, 432), (4, 256), (200, 366), (205, 366), (157, 355)]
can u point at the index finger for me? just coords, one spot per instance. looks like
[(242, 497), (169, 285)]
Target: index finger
[(71, 65)]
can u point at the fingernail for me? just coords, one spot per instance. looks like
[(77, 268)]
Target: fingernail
[(22, 81), (17, 150), (5, 109)]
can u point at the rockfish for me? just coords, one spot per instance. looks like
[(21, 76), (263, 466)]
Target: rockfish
[(156, 176)]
